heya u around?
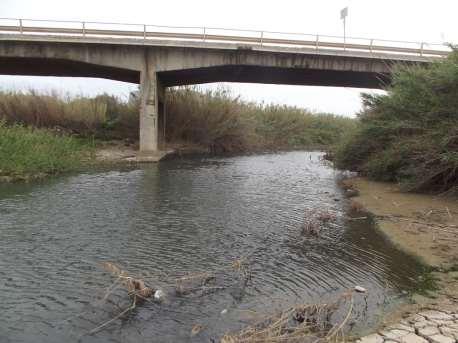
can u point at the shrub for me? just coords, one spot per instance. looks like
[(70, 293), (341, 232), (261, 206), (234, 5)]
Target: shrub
[(27, 151), (409, 135)]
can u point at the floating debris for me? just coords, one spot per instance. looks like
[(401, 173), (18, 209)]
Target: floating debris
[(311, 227), (192, 283), (135, 287), (159, 295), (360, 289), (356, 206), (350, 193), (315, 220), (197, 284), (196, 329), (325, 216), (301, 323)]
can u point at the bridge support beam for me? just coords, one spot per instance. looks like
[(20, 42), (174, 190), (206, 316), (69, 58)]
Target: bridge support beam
[(151, 92), (161, 119)]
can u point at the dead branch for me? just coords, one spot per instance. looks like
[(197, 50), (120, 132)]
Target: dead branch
[(303, 323)]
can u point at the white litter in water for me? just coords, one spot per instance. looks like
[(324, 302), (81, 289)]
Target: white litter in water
[(159, 294), (223, 312), (360, 289)]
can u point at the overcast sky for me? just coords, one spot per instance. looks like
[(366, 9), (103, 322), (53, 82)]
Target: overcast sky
[(412, 20)]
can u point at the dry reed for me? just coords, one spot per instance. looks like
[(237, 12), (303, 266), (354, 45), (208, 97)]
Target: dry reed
[(302, 323), (315, 219)]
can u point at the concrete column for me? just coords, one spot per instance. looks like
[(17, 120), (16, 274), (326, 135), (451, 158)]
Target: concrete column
[(149, 108), (161, 114)]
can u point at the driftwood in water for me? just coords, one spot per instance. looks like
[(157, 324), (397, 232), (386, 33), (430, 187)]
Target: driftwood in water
[(190, 283), (135, 287), (314, 220), (302, 323)]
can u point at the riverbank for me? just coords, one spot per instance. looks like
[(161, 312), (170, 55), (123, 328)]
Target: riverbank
[(28, 153), (409, 134), (434, 326), (426, 227), (121, 152), (217, 120), (197, 122)]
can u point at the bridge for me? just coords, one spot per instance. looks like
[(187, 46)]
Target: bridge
[(157, 57)]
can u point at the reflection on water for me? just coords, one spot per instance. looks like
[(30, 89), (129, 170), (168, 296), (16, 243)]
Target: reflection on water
[(182, 216)]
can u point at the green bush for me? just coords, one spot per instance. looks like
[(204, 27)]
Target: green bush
[(409, 135), (27, 152)]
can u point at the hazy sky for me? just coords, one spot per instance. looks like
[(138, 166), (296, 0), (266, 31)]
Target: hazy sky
[(412, 20)]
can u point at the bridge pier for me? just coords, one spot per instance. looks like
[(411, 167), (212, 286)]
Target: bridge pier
[(149, 110), (161, 120), (152, 111)]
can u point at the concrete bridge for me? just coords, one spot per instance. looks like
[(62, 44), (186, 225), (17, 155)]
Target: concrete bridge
[(158, 57)]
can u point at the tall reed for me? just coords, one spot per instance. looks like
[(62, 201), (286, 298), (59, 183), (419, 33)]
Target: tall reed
[(214, 119)]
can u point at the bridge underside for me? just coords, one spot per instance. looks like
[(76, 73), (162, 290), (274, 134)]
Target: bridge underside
[(63, 67), (274, 75), (228, 73)]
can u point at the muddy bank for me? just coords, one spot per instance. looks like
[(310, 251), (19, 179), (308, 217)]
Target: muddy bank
[(424, 226), (119, 151)]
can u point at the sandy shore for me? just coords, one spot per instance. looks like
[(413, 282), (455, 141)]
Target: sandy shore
[(422, 225), (426, 227), (120, 152)]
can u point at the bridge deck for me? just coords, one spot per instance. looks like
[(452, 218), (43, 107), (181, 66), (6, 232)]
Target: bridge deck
[(219, 38)]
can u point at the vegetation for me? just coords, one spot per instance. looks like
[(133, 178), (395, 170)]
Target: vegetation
[(82, 116), (221, 122), (215, 120), (409, 135), (26, 152), (38, 131)]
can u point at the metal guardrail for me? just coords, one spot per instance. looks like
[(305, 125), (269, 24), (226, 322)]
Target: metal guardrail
[(145, 33)]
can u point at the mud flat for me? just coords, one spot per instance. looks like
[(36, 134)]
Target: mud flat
[(426, 227), (423, 225)]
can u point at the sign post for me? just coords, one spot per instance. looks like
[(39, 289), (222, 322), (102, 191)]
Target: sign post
[(343, 16)]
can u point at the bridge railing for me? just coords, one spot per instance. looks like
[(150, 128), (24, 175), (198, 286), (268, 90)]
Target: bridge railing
[(245, 38)]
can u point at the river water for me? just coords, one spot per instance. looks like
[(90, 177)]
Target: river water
[(177, 217)]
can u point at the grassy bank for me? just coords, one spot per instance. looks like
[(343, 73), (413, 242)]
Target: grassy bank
[(409, 135), (27, 153), (43, 133), (215, 120)]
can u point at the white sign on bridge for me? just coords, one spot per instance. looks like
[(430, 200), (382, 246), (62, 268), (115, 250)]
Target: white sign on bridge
[(344, 13)]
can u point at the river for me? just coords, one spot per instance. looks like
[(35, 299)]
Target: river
[(179, 216)]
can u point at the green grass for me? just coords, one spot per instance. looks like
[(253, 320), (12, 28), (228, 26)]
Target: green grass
[(27, 152), (409, 135)]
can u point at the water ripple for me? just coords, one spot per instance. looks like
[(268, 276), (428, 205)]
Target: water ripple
[(182, 216)]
